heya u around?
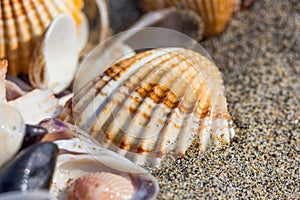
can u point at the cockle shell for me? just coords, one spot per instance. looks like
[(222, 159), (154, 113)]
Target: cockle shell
[(155, 102), (22, 23), (81, 156), (215, 13), (101, 185)]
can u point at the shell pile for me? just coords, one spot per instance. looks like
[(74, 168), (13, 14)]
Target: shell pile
[(153, 103), (23, 22)]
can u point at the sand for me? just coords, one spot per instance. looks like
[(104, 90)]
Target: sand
[(259, 56)]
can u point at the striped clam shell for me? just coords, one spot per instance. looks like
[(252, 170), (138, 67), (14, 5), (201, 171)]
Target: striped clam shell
[(153, 103), (22, 22), (215, 13)]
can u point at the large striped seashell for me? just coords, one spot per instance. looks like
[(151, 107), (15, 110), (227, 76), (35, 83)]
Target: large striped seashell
[(215, 13), (155, 102), (22, 23)]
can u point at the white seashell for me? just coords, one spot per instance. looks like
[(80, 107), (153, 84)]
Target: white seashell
[(23, 22), (37, 105), (154, 103), (54, 63), (82, 156), (12, 130)]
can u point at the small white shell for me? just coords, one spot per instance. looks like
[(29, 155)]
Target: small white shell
[(12, 129), (54, 63), (153, 103)]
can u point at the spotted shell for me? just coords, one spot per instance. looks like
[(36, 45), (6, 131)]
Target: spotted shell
[(153, 103), (101, 184), (22, 22), (215, 13)]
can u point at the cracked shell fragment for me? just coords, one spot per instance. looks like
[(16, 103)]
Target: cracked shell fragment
[(154, 103)]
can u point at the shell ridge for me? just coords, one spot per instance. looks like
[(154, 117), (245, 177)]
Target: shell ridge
[(96, 86), (10, 34), (179, 84), (82, 106), (109, 89), (22, 29), (159, 91), (113, 127), (123, 93)]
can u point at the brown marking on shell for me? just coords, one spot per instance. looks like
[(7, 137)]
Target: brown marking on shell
[(22, 23), (215, 13)]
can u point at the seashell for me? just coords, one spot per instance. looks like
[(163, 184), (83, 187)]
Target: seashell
[(101, 184), (82, 155), (182, 20), (33, 134), (11, 132), (37, 105), (215, 13), (153, 103), (57, 52), (31, 169), (22, 23), (13, 91)]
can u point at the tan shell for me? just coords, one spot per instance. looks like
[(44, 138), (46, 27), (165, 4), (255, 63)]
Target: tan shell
[(215, 13), (155, 102), (22, 22), (101, 184)]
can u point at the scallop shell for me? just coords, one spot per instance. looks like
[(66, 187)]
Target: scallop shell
[(81, 155), (155, 102), (215, 13), (101, 184), (22, 23)]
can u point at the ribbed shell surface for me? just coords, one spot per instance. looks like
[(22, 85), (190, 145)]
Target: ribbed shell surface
[(22, 22), (215, 13), (155, 102)]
